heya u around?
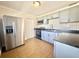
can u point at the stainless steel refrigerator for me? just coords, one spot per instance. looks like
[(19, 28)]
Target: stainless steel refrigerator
[(12, 28)]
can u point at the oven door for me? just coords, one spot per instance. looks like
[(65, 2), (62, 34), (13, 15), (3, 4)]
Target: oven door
[(38, 34)]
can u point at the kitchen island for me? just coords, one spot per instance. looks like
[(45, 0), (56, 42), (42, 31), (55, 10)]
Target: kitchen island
[(66, 44), (69, 37)]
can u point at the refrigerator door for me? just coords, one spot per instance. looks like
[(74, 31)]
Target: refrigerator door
[(9, 32), (10, 38)]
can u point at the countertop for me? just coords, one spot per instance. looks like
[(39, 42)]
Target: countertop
[(50, 30), (59, 30), (69, 37)]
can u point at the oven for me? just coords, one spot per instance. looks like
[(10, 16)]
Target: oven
[(38, 33)]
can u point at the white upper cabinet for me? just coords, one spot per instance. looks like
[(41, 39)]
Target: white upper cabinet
[(78, 13), (64, 16), (73, 14), (56, 15), (70, 14)]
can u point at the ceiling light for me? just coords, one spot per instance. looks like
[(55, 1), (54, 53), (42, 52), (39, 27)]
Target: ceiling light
[(36, 3)]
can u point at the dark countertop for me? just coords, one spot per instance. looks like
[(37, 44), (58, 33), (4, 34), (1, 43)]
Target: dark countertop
[(42, 29), (68, 43), (69, 37), (50, 30), (59, 30)]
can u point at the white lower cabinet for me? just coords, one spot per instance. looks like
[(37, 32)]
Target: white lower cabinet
[(44, 35), (48, 36), (62, 50), (51, 36)]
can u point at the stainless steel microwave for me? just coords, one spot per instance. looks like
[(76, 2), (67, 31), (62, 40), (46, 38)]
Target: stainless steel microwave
[(40, 22), (44, 21)]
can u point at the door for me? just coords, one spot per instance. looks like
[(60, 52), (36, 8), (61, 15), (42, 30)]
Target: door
[(29, 28), (19, 32), (10, 37), (44, 35), (62, 50), (9, 32), (50, 37)]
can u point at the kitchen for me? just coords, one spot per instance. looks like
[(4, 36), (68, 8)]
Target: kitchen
[(51, 33)]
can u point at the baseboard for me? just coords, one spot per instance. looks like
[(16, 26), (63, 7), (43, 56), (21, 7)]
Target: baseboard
[(29, 38)]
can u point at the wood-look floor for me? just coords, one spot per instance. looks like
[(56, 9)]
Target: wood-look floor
[(32, 48)]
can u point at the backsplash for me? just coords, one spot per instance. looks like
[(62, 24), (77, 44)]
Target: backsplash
[(47, 26)]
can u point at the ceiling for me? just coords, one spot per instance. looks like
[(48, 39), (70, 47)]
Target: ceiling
[(27, 6)]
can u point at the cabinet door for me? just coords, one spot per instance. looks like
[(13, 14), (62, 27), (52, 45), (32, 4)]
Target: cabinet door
[(77, 13), (44, 35), (56, 15), (65, 51), (19, 32), (64, 15), (51, 37), (10, 38), (73, 14)]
